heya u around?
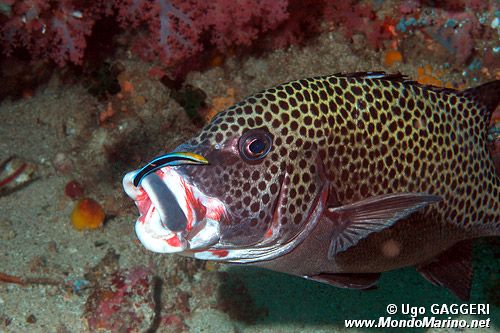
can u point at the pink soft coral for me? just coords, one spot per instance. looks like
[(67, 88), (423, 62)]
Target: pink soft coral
[(173, 27), (69, 32), (180, 29), (56, 30), (241, 22), (172, 30)]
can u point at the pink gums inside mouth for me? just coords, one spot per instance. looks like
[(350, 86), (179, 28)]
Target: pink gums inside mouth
[(152, 232), (143, 203)]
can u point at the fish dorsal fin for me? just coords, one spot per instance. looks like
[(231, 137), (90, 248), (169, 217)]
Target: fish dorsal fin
[(348, 280), (486, 95), (395, 77), (356, 221), (452, 269), (380, 75)]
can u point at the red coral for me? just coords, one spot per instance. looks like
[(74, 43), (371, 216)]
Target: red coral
[(355, 17), (69, 32), (178, 31), (172, 30), (301, 24), (57, 29), (236, 23), (122, 302), (173, 26)]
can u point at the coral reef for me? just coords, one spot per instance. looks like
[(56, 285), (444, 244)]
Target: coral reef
[(187, 35), (455, 25), (123, 302), (174, 29)]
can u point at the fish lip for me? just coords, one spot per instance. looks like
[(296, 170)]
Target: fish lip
[(197, 207)]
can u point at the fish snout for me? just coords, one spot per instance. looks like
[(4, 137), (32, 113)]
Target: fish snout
[(128, 186)]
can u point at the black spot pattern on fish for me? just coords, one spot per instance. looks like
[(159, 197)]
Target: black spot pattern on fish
[(372, 135)]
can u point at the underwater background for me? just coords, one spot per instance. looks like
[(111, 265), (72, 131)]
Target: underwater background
[(92, 90)]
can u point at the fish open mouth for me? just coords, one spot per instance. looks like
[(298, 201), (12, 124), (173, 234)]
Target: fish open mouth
[(166, 194), (174, 216)]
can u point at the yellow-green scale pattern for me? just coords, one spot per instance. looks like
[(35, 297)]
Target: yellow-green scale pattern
[(366, 136)]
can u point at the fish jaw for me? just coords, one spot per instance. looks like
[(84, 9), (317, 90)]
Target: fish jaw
[(202, 237), (203, 214)]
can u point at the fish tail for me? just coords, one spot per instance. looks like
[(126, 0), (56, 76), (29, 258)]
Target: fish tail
[(487, 96)]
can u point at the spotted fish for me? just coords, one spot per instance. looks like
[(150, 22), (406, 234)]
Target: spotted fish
[(335, 179)]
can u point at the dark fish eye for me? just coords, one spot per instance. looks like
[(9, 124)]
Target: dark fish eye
[(256, 147), (255, 144)]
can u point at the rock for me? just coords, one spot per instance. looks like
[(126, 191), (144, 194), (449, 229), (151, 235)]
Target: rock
[(358, 42)]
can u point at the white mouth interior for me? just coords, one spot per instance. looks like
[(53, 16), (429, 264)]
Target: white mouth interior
[(154, 234)]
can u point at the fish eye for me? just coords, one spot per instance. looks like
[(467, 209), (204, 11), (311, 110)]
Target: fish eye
[(255, 144)]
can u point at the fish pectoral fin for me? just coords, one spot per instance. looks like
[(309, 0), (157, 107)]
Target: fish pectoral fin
[(358, 220), (348, 280), (452, 269)]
